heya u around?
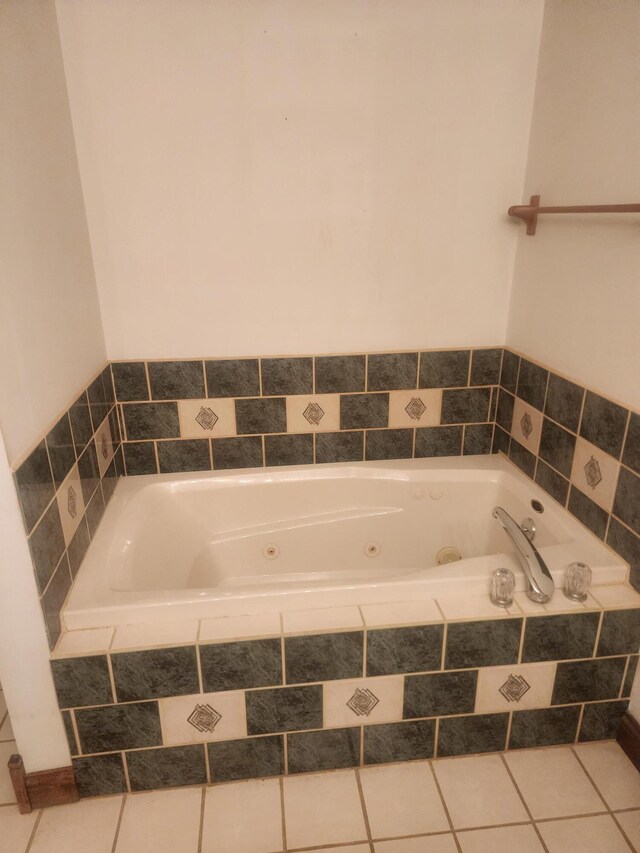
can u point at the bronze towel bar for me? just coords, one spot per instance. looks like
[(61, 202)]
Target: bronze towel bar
[(529, 212)]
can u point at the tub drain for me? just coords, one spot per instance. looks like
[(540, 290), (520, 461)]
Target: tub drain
[(448, 554), (372, 549), (270, 552)]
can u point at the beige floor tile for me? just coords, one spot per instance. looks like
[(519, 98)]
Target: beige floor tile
[(598, 834), (161, 822), (243, 817), (499, 839), (617, 779), (553, 783), (78, 828), (15, 829), (630, 822), (6, 731), (478, 791), (402, 799), (6, 788), (3, 705), (424, 844), (323, 809), (350, 848)]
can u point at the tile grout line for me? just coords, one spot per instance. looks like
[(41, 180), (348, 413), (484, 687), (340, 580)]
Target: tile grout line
[(119, 823), (444, 806), (34, 830), (282, 814), (524, 802), (363, 806), (202, 806)]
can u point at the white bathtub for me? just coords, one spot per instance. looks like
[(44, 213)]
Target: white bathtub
[(193, 546)]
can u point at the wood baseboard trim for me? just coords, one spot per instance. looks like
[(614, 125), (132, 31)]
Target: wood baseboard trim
[(629, 738), (44, 788)]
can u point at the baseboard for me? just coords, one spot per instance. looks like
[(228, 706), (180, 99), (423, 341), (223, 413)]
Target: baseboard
[(44, 788), (629, 738)]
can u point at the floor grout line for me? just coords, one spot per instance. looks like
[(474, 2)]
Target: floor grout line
[(524, 802), (117, 832), (363, 805), (201, 828), (33, 832), (444, 806), (283, 816)]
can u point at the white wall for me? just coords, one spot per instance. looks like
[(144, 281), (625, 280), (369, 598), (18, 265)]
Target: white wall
[(281, 176), (576, 290), (51, 340)]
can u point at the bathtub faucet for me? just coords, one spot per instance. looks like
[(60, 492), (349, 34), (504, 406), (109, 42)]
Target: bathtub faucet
[(540, 581)]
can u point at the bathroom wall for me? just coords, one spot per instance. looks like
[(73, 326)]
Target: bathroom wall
[(576, 298), (293, 177)]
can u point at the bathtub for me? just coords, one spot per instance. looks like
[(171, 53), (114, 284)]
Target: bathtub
[(191, 546)]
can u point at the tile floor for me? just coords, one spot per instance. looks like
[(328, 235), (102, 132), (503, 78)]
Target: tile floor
[(580, 799)]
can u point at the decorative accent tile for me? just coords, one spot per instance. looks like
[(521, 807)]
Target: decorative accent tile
[(589, 680), (627, 499), (70, 504), (464, 735), (465, 406), (532, 383), (151, 769), (306, 413), (34, 483), (284, 709), (526, 425), (359, 411), (155, 673), (408, 741), (388, 444), (339, 447), (237, 452), (288, 449), (115, 727), (438, 441), (248, 758), (151, 420), (620, 633), (176, 380), (104, 446), (550, 638), (603, 424), (286, 376), (444, 369), (398, 650), (390, 371), (490, 643), (203, 717), (545, 727), (233, 377), (516, 687), (601, 720), (323, 657), (140, 458), (595, 473), (323, 750), (207, 418), (261, 416), (188, 454), (99, 775), (130, 380), (440, 694), (371, 700), (237, 666), (340, 374)]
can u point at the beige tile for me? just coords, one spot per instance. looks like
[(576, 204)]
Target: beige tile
[(402, 799), (417, 408), (70, 504), (423, 844), (203, 717), (522, 601), (401, 613), (630, 823), (363, 700), (16, 829), (104, 446), (240, 627), (313, 413), (6, 731), (243, 817), (324, 619), (553, 783), (161, 822), (351, 848), (87, 825), (561, 604), (595, 473), (478, 791), (616, 595), (161, 634), (535, 679), (522, 839), (323, 808), (6, 788), (207, 418), (83, 642), (526, 425), (472, 607), (598, 834), (615, 776)]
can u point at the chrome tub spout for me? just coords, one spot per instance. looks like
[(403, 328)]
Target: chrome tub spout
[(540, 581)]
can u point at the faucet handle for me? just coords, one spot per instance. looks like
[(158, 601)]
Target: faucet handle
[(577, 580), (503, 583)]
